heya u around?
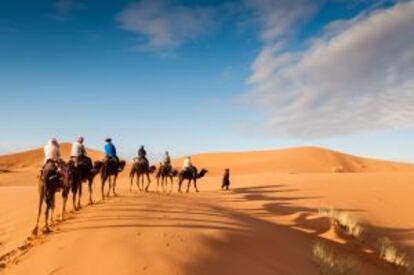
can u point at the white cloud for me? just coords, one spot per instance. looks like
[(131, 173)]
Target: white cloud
[(163, 25), (358, 78), (278, 19)]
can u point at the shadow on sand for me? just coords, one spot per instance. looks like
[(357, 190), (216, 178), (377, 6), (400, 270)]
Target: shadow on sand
[(247, 243)]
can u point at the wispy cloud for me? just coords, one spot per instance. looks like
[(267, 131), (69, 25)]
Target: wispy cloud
[(278, 19), (357, 78), (165, 26)]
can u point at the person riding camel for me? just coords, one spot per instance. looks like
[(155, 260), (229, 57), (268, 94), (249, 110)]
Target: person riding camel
[(78, 153), (167, 161), (52, 162), (52, 151), (110, 151), (187, 164), (142, 155)]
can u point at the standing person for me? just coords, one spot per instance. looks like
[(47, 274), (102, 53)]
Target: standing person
[(52, 151), (226, 180)]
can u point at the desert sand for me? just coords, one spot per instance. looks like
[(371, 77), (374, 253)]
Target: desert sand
[(266, 224)]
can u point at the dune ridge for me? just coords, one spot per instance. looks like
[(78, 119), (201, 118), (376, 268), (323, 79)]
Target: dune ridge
[(294, 160), (291, 160), (34, 158)]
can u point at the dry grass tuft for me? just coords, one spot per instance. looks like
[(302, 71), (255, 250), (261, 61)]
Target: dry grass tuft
[(344, 222), (390, 254), (331, 264), (338, 170)]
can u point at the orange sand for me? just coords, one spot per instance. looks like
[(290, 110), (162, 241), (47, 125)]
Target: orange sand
[(266, 224)]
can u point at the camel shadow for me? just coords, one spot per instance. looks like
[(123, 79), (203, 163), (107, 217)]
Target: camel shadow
[(308, 220), (245, 241)]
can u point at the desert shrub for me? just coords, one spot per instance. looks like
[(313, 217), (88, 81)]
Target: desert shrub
[(390, 254), (331, 264), (344, 222), (338, 170)]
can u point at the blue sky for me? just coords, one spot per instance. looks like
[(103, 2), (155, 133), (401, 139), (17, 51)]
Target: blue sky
[(199, 76)]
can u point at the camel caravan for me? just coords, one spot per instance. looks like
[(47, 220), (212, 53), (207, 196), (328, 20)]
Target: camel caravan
[(62, 176)]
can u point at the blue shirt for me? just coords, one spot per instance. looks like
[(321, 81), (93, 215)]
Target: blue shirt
[(110, 150)]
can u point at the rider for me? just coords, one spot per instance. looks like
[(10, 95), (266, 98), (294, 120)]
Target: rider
[(142, 154), (167, 160), (52, 161), (79, 154), (187, 163), (110, 150), (52, 151)]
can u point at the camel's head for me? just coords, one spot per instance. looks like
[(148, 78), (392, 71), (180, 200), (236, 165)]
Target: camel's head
[(122, 164), (97, 166), (174, 172), (152, 169), (202, 173)]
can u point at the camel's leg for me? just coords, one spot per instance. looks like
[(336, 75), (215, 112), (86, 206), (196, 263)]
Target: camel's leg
[(90, 182), (172, 184), (109, 186), (74, 194), (50, 205), (41, 198), (149, 181), (180, 182), (114, 185), (195, 185), (139, 183), (63, 210), (132, 182), (46, 228), (164, 183), (158, 183), (188, 186), (103, 180), (79, 195), (139, 179), (142, 183), (65, 195), (52, 210)]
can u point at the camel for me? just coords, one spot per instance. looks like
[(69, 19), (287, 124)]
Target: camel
[(164, 173), (51, 181), (109, 170), (191, 174), (141, 169), (81, 173)]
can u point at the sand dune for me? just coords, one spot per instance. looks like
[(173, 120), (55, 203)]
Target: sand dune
[(267, 223), (34, 158), (295, 160)]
